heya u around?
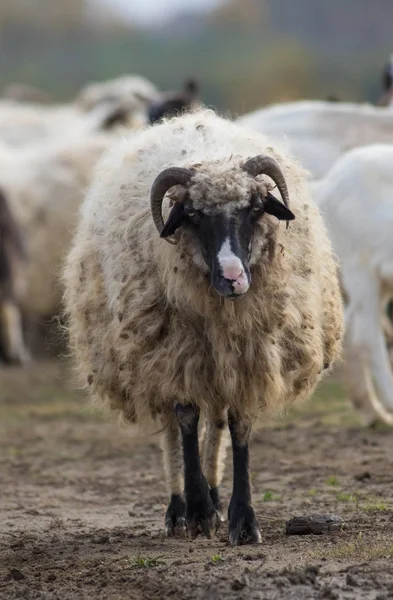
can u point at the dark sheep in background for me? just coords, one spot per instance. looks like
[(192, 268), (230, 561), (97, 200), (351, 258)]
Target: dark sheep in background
[(169, 104)]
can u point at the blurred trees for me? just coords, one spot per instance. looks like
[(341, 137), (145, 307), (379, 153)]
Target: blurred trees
[(246, 53), (42, 14)]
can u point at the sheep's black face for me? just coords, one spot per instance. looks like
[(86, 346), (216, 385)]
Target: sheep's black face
[(225, 239), (225, 242)]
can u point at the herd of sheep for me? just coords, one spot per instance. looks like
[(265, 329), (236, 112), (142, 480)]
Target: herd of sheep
[(196, 279)]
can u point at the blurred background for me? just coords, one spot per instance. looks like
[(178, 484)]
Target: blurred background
[(244, 53)]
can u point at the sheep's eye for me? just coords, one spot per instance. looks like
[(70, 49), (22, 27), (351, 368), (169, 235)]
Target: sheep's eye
[(257, 209), (194, 216), (257, 204)]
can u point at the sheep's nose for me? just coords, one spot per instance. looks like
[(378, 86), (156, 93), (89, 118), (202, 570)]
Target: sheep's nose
[(240, 284), (233, 272), (237, 278)]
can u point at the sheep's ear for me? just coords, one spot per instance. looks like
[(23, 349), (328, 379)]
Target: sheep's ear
[(277, 208), (175, 219)]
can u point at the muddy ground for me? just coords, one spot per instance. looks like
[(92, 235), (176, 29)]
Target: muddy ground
[(82, 505)]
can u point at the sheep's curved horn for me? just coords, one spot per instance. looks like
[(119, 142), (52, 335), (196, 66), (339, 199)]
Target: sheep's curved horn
[(165, 180), (265, 165)]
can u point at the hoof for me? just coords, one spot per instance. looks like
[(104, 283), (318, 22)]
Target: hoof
[(175, 517), (243, 526), (202, 517)]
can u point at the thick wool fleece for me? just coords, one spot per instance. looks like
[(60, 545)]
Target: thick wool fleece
[(145, 325)]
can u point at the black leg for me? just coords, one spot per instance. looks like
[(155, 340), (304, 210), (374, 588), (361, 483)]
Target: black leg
[(243, 526), (201, 516), (175, 517)]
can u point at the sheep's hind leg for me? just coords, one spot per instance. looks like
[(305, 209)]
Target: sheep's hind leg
[(13, 347), (201, 515), (243, 526), (175, 517), (214, 450)]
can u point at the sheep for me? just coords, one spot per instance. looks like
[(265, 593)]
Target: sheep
[(318, 132), (171, 103), (235, 317), (44, 191), (355, 200), (12, 260), (44, 187), (29, 124), (133, 92), (24, 124)]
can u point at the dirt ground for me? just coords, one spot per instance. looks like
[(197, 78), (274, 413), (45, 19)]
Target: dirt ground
[(82, 505)]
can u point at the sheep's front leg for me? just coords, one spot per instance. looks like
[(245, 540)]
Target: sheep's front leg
[(201, 515), (243, 526), (175, 518)]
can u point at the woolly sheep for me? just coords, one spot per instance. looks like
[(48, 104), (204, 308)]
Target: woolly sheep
[(30, 124), (155, 327), (44, 186), (355, 199), (45, 191), (318, 132), (25, 124)]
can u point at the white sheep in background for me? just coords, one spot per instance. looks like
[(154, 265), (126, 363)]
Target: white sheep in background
[(133, 92), (23, 124), (27, 124), (318, 132), (43, 187), (237, 315), (356, 199), (44, 191)]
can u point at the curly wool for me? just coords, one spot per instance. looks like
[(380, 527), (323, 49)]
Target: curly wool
[(145, 325)]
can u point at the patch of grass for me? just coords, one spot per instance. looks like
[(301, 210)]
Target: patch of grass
[(216, 558), (139, 562), (373, 507), (332, 480), (313, 492), (345, 497), (329, 404), (361, 549), (270, 496)]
